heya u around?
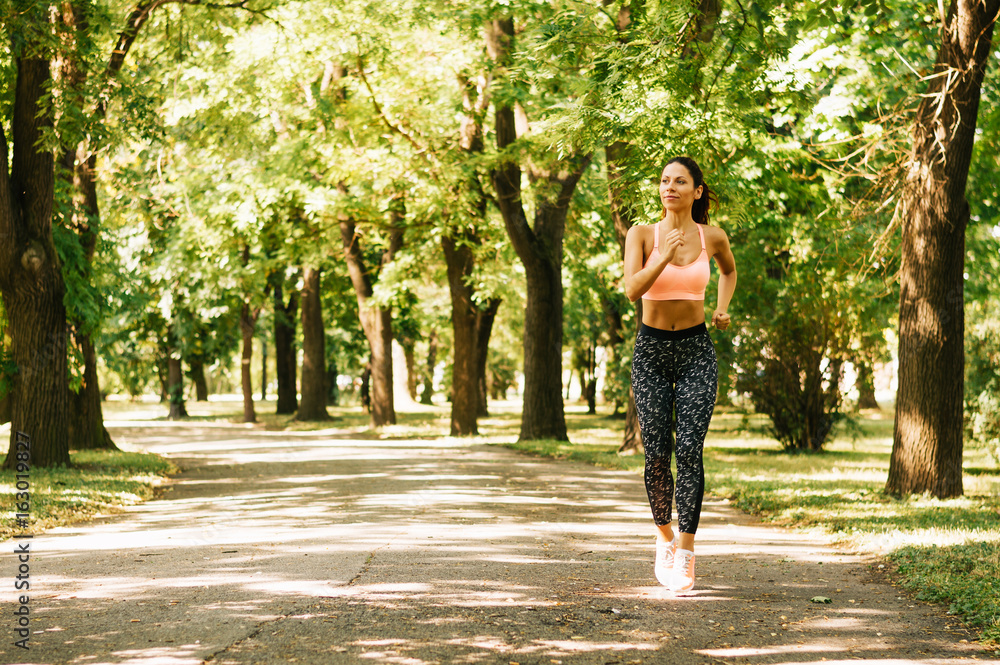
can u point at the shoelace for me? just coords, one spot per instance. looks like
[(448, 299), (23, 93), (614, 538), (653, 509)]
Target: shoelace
[(683, 560)]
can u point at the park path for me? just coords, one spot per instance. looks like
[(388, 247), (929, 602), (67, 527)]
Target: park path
[(322, 547)]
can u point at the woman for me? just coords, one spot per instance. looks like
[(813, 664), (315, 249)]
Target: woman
[(674, 365)]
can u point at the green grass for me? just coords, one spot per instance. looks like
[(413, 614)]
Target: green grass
[(100, 482), (945, 551), (962, 576)]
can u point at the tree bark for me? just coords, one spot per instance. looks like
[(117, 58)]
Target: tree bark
[(175, 384), (263, 369), (865, 385), (87, 430), (376, 323), (484, 330), (365, 391), (197, 374), (248, 325), (539, 247), (464, 369), (411, 371), (31, 282), (927, 440), (5, 409), (427, 394), (285, 361), (163, 374), (313, 403)]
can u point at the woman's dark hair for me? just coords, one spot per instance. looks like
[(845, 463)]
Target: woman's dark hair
[(700, 207)]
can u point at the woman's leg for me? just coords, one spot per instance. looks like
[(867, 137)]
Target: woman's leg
[(652, 386), (697, 386), (697, 383)]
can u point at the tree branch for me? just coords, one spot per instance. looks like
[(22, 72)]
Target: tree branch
[(422, 151)]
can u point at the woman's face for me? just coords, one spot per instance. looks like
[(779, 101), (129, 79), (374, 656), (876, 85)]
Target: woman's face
[(677, 190)]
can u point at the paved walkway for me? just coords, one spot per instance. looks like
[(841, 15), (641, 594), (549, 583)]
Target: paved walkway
[(277, 547)]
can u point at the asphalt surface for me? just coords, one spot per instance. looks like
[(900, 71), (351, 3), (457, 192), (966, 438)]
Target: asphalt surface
[(277, 547)]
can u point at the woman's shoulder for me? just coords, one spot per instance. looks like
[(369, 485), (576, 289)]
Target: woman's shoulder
[(641, 231), (714, 234), (716, 240)]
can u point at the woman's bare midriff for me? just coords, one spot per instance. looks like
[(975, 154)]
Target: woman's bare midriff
[(673, 314)]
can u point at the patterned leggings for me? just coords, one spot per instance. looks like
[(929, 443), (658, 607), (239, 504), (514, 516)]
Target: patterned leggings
[(674, 370)]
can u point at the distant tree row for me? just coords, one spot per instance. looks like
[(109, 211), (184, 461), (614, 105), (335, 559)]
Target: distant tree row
[(460, 178)]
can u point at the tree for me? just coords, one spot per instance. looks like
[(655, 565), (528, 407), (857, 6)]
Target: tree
[(376, 321), (471, 321), (31, 281), (312, 406), (538, 246), (927, 438), (285, 362)]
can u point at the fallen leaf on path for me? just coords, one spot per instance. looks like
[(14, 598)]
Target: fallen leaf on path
[(820, 599)]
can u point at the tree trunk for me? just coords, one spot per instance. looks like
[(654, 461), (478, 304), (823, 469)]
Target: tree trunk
[(376, 323), (428, 392), (87, 430), (5, 409), (539, 247), (464, 375), (365, 391), (284, 350), (31, 282), (197, 374), (163, 374), (623, 217), (248, 324), (471, 326), (263, 369), (865, 385), (411, 371), (333, 390), (87, 423), (484, 330), (313, 403), (175, 386), (927, 441), (383, 406)]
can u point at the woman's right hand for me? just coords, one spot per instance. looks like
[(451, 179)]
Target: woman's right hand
[(671, 241)]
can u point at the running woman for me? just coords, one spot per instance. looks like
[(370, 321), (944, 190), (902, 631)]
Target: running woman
[(674, 368)]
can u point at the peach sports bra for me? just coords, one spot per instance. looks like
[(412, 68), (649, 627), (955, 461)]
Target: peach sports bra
[(679, 282)]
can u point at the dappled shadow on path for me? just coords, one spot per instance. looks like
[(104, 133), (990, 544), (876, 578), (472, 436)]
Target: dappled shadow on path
[(322, 548)]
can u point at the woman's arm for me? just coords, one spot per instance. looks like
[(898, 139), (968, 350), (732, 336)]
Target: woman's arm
[(637, 278), (727, 279)]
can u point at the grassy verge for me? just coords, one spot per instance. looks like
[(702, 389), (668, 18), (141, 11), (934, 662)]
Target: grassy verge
[(945, 551), (99, 482)]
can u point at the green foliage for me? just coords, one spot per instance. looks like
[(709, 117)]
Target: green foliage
[(804, 308), (982, 388), (982, 302)]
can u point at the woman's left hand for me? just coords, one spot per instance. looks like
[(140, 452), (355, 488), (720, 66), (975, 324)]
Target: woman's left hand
[(720, 320)]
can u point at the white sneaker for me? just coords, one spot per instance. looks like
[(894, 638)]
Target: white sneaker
[(664, 565), (683, 572)]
